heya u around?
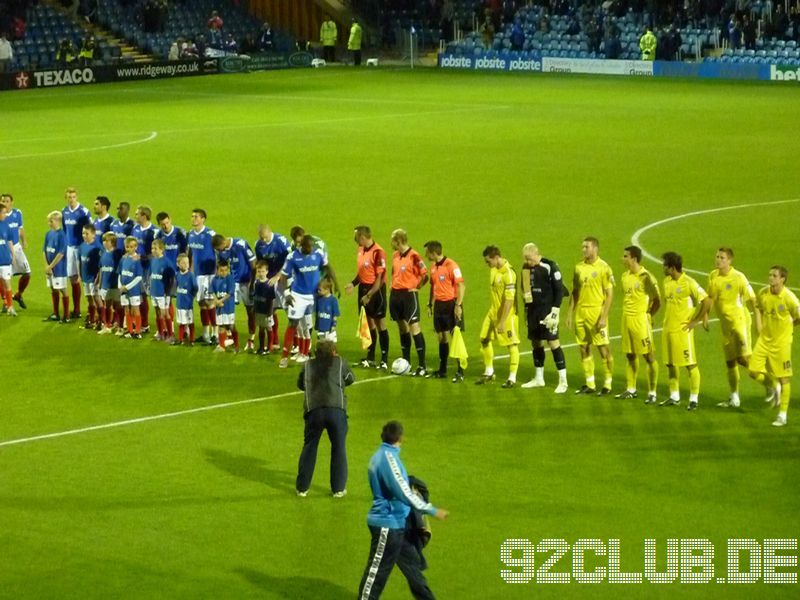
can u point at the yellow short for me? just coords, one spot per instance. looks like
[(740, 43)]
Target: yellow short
[(637, 334), (735, 339), (776, 362), (586, 331), (679, 348), (509, 337)]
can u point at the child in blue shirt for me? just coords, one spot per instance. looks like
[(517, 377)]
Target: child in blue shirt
[(263, 300), (223, 294), (130, 287), (55, 265), (161, 278), (327, 311), (185, 292)]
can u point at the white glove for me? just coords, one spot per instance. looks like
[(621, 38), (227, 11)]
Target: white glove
[(551, 320)]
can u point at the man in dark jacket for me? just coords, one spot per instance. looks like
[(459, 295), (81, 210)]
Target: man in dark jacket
[(323, 379)]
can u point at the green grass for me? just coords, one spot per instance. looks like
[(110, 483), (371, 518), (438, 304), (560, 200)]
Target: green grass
[(202, 504)]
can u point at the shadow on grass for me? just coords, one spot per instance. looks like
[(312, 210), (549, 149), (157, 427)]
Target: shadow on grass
[(251, 469), (295, 588)]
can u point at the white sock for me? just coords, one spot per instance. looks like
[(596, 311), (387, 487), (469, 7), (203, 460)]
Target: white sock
[(539, 373), (488, 372), (512, 377), (782, 415), (693, 398), (562, 375)]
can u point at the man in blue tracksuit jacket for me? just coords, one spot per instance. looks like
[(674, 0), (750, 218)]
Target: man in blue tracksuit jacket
[(393, 500)]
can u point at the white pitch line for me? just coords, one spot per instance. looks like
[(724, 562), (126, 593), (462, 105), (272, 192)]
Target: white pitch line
[(635, 238), (149, 138), (169, 415)]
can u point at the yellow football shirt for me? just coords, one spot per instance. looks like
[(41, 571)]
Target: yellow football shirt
[(730, 293), (778, 312), (682, 297), (639, 289), (503, 285), (591, 281)]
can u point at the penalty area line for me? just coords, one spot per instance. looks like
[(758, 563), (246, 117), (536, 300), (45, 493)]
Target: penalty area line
[(169, 415), (149, 138)]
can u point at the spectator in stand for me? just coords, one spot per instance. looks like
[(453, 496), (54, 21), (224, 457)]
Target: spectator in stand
[(780, 22), (200, 44), (574, 27), (215, 30), (229, 45), (734, 31), (749, 32), (487, 32), (509, 11), (327, 36), (593, 35), (88, 9), (65, 55), (264, 42), (613, 47), (175, 50), (86, 54), (189, 51), (446, 22), (6, 54), (249, 44), (517, 36), (676, 41), (544, 24)]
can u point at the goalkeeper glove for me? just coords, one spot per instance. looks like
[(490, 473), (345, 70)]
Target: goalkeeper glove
[(551, 320)]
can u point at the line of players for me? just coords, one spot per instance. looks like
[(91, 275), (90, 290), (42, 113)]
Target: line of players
[(310, 279), (775, 309)]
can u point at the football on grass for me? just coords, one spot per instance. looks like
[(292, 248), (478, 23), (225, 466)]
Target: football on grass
[(401, 366)]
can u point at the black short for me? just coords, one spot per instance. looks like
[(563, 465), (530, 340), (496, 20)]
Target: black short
[(376, 307), (444, 316), (537, 331), (404, 306)]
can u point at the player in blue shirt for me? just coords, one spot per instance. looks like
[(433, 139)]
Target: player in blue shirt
[(162, 277), (104, 220), (90, 251), (20, 241), (263, 299), (174, 244), (108, 287), (303, 268), (204, 264), (223, 291), (327, 309), (123, 224), (6, 263), (145, 232), (130, 287), (55, 265), (185, 292), (242, 265), (74, 217), (273, 248)]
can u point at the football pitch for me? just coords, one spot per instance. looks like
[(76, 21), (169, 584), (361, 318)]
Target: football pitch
[(134, 469)]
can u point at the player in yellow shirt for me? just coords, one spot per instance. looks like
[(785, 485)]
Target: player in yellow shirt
[(687, 304), (589, 303), (501, 322), (777, 312), (733, 299), (641, 300)]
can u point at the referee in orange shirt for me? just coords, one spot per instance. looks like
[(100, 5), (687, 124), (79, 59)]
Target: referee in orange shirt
[(409, 273), (371, 282), (446, 299)]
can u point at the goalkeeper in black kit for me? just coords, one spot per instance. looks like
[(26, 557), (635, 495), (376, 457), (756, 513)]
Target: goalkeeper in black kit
[(543, 290)]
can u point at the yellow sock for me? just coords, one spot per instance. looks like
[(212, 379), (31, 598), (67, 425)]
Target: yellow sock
[(588, 371), (652, 376), (631, 370), (694, 381), (608, 369), (513, 356), (488, 358), (786, 390), (733, 378)]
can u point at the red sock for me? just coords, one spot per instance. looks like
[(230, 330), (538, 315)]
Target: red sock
[(54, 298), (171, 317), (212, 317), (204, 316), (191, 332), (180, 333), (144, 311), (129, 322), (274, 333), (120, 312), (223, 335), (251, 321), (76, 296), (91, 313), (23, 283), (235, 334), (65, 305), (137, 323), (287, 340), (262, 337), (296, 340), (307, 346), (109, 316), (169, 328), (9, 298)]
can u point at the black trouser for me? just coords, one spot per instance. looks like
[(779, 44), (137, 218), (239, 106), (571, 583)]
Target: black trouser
[(334, 420), (356, 57), (390, 546), (329, 53)]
